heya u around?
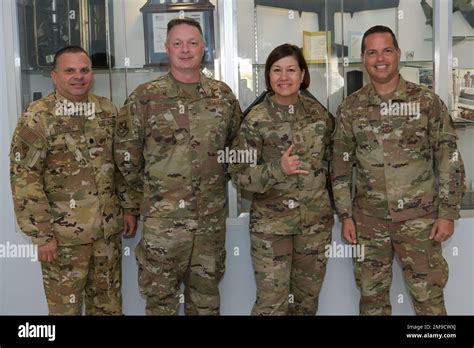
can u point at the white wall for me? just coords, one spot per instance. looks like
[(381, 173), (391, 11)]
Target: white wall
[(21, 289)]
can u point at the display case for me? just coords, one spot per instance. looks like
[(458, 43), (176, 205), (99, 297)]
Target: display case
[(461, 88), (336, 71), (124, 38), (126, 42), (48, 25)]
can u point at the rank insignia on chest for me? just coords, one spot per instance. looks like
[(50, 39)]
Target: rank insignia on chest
[(298, 138)]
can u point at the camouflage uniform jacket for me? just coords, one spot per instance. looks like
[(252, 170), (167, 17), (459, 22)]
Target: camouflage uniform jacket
[(167, 143), (62, 171), (297, 200), (404, 148)]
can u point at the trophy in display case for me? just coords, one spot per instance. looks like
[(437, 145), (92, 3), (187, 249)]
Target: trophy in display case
[(48, 25), (157, 14)]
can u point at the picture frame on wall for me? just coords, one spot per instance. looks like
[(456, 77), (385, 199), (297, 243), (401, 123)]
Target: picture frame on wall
[(314, 46), (355, 41), (157, 14)]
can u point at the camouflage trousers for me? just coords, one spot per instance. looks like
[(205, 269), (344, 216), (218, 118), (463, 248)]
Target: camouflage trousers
[(90, 270), (182, 250), (289, 272), (424, 268)]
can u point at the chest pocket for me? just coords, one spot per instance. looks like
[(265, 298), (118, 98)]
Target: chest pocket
[(310, 141), (276, 140), (314, 139), (214, 126), (414, 131), (366, 129), (65, 148), (170, 126), (104, 135), (63, 133)]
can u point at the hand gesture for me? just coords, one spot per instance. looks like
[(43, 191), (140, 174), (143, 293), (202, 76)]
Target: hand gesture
[(291, 164)]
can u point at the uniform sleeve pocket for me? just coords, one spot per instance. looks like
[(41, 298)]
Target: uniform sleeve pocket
[(27, 147)]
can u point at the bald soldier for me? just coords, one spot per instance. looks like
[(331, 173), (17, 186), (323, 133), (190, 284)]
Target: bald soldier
[(63, 183), (168, 137), (409, 183)]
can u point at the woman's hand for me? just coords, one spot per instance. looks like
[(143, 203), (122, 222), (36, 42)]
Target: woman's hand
[(291, 164)]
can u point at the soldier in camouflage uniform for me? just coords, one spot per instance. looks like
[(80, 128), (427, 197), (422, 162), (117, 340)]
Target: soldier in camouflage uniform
[(291, 216), (63, 185), (409, 182), (167, 140)]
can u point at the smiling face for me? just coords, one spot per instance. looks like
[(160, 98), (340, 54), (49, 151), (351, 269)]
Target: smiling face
[(381, 58), (185, 48), (285, 79), (73, 76)]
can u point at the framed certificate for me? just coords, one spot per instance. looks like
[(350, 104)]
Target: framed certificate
[(355, 40), (157, 14), (315, 44)]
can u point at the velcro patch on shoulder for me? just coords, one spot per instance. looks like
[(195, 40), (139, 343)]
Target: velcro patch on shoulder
[(20, 151), (28, 135)]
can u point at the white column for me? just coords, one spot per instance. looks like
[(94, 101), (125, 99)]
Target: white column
[(442, 48), (228, 52)]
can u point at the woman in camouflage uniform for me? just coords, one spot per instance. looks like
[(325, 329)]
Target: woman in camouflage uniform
[(291, 217)]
